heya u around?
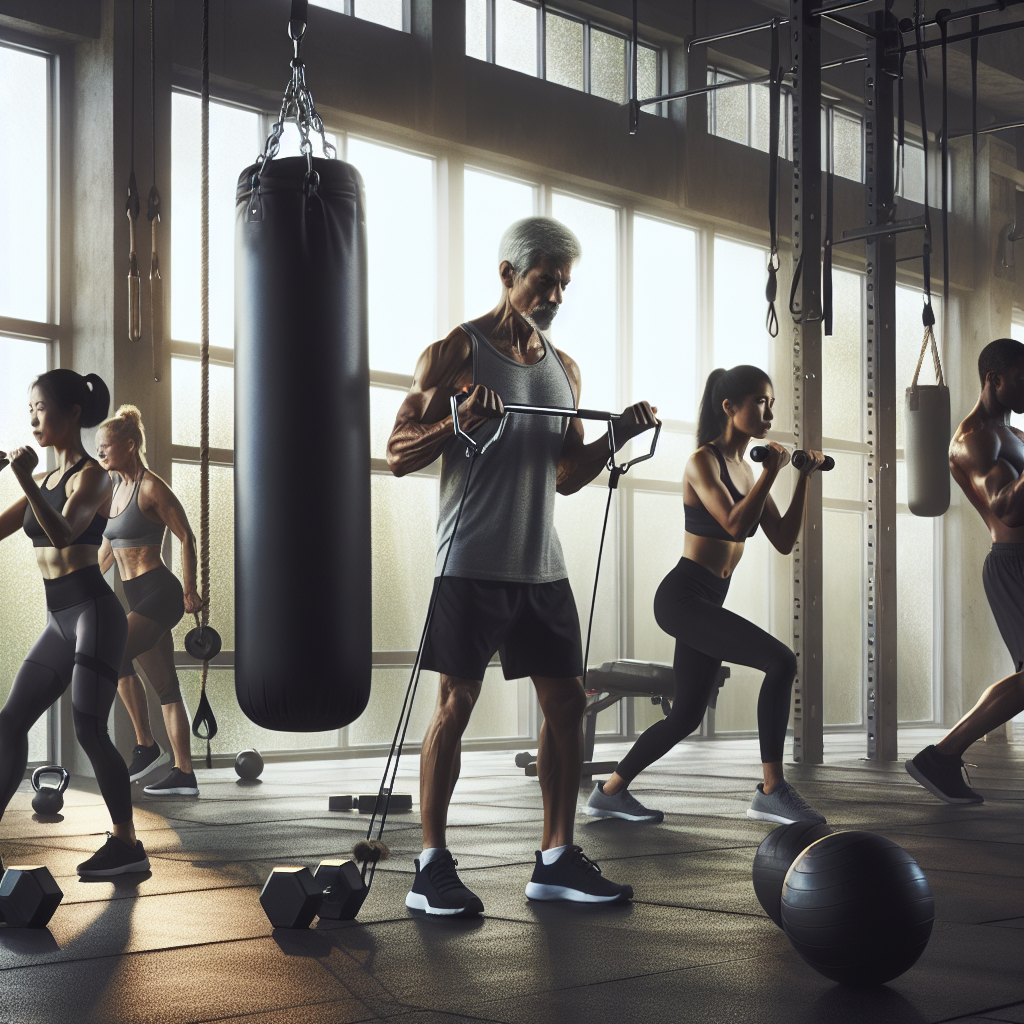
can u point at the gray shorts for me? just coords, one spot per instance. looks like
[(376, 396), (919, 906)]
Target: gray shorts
[(1003, 576)]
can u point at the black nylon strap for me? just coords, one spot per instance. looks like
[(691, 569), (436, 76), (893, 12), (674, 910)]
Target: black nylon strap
[(826, 260), (927, 314), (943, 31), (975, 25), (204, 724), (774, 117)]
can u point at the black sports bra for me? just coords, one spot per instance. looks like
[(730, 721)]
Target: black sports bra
[(700, 522), (55, 496)]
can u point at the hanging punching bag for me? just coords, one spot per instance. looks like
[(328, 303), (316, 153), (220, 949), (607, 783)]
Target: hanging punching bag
[(926, 432), (302, 447)]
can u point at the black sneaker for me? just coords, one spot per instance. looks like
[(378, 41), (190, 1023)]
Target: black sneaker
[(438, 890), (574, 876), (943, 776), (115, 858), (145, 759), (175, 783)]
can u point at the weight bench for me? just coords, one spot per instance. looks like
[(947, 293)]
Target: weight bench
[(607, 685)]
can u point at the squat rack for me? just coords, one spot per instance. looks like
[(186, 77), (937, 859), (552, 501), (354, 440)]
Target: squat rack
[(884, 52)]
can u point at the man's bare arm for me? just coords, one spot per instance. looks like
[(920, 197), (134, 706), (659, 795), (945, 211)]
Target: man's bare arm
[(424, 422), (992, 477)]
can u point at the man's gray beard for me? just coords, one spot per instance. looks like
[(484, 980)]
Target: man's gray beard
[(542, 316)]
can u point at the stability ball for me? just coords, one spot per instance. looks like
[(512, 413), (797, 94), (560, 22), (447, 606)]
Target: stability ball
[(774, 856), (857, 908)]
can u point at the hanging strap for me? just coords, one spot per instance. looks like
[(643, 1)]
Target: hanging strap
[(132, 209), (156, 285), (826, 260), (771, 290), (944, 32), (927, 313), (204, 713), (901, 125), (929, 336), (975, 26)]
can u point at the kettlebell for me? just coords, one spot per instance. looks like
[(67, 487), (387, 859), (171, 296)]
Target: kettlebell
[(49, 799)]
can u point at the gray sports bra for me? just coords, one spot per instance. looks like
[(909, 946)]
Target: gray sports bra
[(131, 529)]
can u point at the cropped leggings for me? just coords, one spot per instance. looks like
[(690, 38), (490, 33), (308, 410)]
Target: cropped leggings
[(81, 646), (688, 606)]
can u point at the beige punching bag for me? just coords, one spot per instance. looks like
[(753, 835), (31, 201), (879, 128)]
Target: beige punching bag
[(926, 431)]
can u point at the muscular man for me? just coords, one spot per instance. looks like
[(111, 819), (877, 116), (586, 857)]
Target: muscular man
[(986, 458), (504, 587)]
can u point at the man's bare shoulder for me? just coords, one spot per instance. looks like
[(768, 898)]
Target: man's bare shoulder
[(440, 360), (976, 441)]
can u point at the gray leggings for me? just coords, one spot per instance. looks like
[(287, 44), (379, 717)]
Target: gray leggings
[(81, 646)]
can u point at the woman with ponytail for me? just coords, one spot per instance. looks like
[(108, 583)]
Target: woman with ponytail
[(83, 642), (724, 506), (142, 509)]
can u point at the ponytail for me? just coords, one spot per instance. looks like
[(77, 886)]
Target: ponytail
[(64, 388), (735, 385)]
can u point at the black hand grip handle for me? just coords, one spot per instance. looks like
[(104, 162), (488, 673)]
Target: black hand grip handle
[(798, 458)]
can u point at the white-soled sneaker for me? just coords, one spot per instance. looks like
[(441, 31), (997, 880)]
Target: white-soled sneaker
[(576, 878), (175, 783), (783, 804), (145, 760), (622, 805)]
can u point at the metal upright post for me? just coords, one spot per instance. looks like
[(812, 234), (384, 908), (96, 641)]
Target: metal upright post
[(880, 392), (805, 37)]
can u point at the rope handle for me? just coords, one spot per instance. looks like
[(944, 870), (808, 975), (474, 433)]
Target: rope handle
[(929, 335)]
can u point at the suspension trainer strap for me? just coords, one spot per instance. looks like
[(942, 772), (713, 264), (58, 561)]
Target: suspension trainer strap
[(826, 260), (927, 313), (204, 713), (975, 26), (901, 125), (944, 153), (156, 285), (132, 210), (771, 290)]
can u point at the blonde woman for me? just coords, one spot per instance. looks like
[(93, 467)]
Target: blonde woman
[(141, 509)]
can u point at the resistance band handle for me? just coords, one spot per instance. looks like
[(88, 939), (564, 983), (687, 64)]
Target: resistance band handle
[(798, 458)]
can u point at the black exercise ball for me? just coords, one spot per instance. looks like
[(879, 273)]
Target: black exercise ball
[(774, 856), (249, 764), (857, 908)]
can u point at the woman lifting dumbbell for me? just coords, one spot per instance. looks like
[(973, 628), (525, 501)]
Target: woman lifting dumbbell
[(85, 633), (141, 509), (724, 505)]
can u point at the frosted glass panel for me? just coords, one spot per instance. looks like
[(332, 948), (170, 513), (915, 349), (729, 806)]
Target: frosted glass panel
[(476, 29), (384, 403), (608, 66), (492, 204), (657, 546), (585, 325), (578, 521), (647, 75), (846, 481), (338, 6), (21, 620), (1017, 333), (729, 111), (234, 142), (760, 126), (291, 142), (377, 723), (383, 12), (674, 448), (24, 181), (914, 569), (847, 146), (842, 612), (503, 710), (665, 318), (515, 36), (404, 517), (564, 59), (909, 333), (913, 173), (234, 731), (399, 219), (740, 307), (185, 400), (842, 364), (185, 481)]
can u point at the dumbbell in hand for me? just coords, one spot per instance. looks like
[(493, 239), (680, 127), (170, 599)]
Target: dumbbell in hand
[(798, 459)]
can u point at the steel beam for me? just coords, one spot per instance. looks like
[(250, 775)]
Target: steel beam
[(805, 37), (880, 396)]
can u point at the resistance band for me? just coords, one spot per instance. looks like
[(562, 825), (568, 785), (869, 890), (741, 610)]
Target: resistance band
[(131, 207), (771, 290), (944, 152), (156, 284), (204, 725), (475, 449)]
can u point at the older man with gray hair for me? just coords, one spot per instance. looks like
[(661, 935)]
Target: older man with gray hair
[(505, 586)]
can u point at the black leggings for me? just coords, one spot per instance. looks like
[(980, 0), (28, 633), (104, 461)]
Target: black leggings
[(81, 646), (688, 606)]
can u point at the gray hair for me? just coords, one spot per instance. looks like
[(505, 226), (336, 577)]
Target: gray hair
[(528, 240)]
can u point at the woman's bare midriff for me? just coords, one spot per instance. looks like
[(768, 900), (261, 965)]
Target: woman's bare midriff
[(132, 562), (718, 556), (56, 562)]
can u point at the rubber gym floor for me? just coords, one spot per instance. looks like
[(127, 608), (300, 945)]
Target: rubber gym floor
[(189, 942)]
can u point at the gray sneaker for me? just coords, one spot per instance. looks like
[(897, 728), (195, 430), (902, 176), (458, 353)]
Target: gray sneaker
[(783, 804), (622, 805)]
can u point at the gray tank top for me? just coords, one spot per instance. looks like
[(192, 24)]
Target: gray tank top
[(507, 529), (130, 528)]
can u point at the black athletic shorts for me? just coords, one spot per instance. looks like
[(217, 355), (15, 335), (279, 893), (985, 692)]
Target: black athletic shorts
[(1003, 576), (533, 626)]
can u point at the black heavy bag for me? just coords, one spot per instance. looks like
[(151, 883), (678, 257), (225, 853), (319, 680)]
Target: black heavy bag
[(302, 447), (926, 432)]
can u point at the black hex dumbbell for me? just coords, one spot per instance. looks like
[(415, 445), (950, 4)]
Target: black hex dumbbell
[(343, 887), (29, 896), (293, 896)]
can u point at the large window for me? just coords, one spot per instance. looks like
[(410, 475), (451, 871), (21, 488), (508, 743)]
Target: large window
[(563, 48), (29, 331), (390, 13)]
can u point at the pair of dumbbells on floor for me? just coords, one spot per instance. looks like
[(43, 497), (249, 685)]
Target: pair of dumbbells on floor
[(29, 897)]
